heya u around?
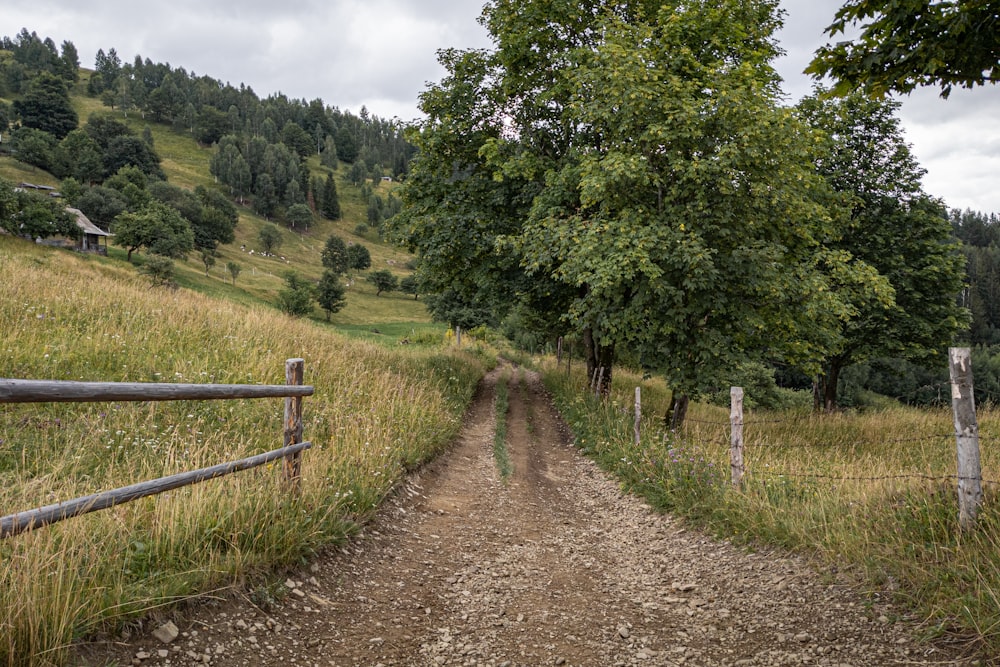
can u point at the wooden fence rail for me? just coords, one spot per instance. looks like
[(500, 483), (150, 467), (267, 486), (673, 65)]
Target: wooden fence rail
[(56, 391), (22, 521)]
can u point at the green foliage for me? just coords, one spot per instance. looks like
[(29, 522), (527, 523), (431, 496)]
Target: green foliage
[(160, 270), (448, 306), (270, 238), (330, 293), (383, 280), (358, 257), (760, 390), (331, 201), (911, 43), (299, 216), (208, 259), (45, 106), (157, 227), (233, 268), (893, 228), (101, 205), (33, 215), (410, 285), (35, 147), (335, 256), (79, 156), (296, 299)]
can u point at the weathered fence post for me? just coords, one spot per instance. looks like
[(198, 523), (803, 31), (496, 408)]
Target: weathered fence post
[(963, 404), (736, 436), (559, 352), (600, 381), (638, 415), (458, 336), (294, 373)]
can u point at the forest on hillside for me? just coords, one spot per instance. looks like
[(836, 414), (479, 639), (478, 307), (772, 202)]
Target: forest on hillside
[(262, 143)]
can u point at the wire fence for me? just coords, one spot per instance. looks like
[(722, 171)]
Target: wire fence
[(755, 457)]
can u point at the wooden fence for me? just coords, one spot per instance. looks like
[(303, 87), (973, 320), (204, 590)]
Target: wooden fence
[(54, 391)]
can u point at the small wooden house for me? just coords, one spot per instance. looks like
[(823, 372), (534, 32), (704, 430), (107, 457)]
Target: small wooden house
[(90, 240)]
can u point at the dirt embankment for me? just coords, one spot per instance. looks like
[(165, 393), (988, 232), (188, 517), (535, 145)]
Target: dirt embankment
[(553, 567)]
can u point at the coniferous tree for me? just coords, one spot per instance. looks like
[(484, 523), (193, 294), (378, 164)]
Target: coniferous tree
[(331, 202), (45, 106)]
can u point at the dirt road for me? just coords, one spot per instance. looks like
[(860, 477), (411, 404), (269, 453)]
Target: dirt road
[(552, 567)]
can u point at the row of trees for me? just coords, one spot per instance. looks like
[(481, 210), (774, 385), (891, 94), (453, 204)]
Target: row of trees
[(630, 175), (279, 181), (210, 109), (88, 155), (29, 56), (338, 259)]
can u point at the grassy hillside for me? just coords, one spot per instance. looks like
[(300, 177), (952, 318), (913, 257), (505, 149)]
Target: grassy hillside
[(377, 411), (185, 163)]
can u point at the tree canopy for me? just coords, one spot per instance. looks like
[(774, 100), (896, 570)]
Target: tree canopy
[(629, 175), (45, 106), (910, 43), (893, 227), (334, 255)]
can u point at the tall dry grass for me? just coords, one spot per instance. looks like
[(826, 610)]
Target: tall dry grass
[(376, 412), (871, 494)]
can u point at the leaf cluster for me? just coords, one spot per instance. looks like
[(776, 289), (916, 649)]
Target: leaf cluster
[(910, 43)]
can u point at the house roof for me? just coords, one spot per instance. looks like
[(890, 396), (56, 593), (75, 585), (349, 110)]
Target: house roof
[(85, 224)]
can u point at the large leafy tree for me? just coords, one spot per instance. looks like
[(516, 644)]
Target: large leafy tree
[(383, 280), (635, 160), (358, 257), (79, 156), (894, 227), (45, 106), (454, 209), (35, 147), (909, 43), (157, 227), (296, 299)]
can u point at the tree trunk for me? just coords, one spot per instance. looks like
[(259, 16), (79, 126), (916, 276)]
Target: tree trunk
[(677, 412), (825, 388), (598, 357)]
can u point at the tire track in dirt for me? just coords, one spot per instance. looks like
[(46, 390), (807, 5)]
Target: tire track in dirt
[(554, 567)]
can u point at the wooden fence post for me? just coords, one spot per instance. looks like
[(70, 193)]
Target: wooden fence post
[(638, 415), (559, 352), (736, 436), (600, 381), (963, 403), (458, 336), (294, 373)]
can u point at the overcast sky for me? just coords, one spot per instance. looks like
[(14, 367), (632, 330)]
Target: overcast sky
[(381, 54)]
